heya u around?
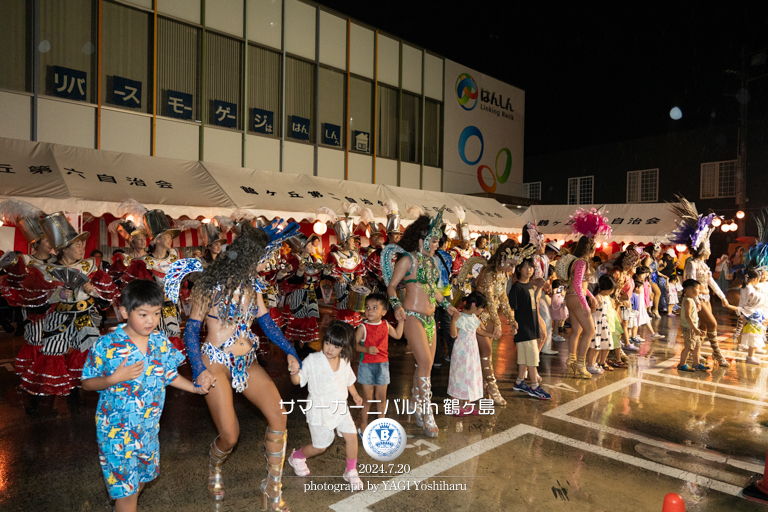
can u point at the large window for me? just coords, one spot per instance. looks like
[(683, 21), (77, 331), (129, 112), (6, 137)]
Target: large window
[(264, 89), (433, 150), (718, 179), (67, 49), (360, 114), (299, 100), (581, 190), (388, 109), (643, 186), (331, 107), (126, 58), (178, 68), (223, 76), (410, 129), (532, 190), (16, 63)]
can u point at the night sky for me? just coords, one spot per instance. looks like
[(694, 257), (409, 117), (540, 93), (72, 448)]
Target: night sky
[(594, 75)]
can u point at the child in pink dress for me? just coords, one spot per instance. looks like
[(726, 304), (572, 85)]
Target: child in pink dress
[(466, 378), (559, 309)]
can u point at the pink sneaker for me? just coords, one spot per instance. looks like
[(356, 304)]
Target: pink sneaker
[(353, 478), (299, 465)]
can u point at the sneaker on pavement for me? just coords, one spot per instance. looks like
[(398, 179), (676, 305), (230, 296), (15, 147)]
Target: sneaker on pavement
[(685, 368), (353, 478), (522, 387), (539, 393), (657, 336), (630, 348), (702, 368), (594, 370), (753, 360), (299, 465), (557, 337), (549, 352)]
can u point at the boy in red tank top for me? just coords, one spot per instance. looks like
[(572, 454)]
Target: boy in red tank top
[(372, 341)]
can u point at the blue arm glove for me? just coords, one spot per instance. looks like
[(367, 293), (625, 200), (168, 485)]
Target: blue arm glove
[(192, 343), (276, 336)]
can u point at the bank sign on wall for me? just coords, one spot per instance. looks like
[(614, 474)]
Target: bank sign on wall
[(484, 126)]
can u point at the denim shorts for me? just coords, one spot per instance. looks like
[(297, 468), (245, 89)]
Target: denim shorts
[(373, 374)]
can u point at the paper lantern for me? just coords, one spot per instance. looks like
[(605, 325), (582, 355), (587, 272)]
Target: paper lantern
[(319, 228)]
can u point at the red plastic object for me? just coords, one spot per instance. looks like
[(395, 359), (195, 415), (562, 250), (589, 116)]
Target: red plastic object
[(673, 503)]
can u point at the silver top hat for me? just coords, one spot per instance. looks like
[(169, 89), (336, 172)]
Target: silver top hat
[(157, 224), (393, 223), (343, 228), (128, 230), (463, 231), (31, 229), (59, 231), (210, 234), (297, 242), (258, 222)]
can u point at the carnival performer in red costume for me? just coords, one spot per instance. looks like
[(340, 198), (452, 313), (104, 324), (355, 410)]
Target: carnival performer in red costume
[(71, 289), (27, 218), (462, 252), (347, 264), (372, 254), (155, 265), (302, 284)]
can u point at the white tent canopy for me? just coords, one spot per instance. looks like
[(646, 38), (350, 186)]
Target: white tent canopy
[(637, 222), (54, 177)]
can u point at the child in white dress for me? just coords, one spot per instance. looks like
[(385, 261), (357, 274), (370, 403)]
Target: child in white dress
[(673, 289), (466, 378), (330, 378)]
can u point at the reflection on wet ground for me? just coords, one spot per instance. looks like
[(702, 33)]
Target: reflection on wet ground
[(620, 441)]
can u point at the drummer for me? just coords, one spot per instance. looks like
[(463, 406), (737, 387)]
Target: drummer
[(347, 269)]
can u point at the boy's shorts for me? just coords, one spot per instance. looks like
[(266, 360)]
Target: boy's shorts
[(528, 352), (691, 340), (322, 436), (125, 465), (373, 374)]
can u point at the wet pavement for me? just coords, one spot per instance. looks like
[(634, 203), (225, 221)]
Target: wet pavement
[(617, 442)]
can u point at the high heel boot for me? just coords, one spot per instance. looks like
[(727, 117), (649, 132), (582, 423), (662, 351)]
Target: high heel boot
[(490, 383), (580, 372), (716, 354), (215, 480), (273, 483), (570, 365), (430, 427), (417, 410)]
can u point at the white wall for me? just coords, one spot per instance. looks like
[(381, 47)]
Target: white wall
[(182, 9), (389, 61), (433, 77), (333, 40), (262, 153), (179, 140), (16, 118), (223, 146), (360, 168), (265, 22), (410, 175), (386, 171), (330, 163), (225, 16), (299, 158), (411, 69), (361, 51), (126, 133), (300, 24), (67, 123), (432, 179)]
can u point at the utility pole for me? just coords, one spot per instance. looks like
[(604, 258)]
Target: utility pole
[(741, 156)]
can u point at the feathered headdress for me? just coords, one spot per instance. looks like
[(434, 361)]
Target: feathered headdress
[(416, 211), (349, 209), (518, 254), (693, 229), (393, 217), (185, 225), (534, 236), (224, 223), (757, 256), (366, 217), (436, 225), (25, 216), (390, 207), (590, 223), (324, 210), (461, 228)]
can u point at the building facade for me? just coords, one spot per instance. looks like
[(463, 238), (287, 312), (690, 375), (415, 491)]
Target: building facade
[(276, 85)]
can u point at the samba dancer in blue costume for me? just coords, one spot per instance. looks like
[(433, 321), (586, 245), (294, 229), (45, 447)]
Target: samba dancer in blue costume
[(228, 297), (417, 270)]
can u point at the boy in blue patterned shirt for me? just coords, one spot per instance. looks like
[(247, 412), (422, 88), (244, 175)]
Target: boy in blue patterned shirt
[(130, 369)]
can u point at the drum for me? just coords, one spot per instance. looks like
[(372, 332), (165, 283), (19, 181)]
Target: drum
[(458, 297), (357, 295)]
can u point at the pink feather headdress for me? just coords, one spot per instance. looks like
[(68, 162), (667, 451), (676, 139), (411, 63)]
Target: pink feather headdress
[(590, 223)]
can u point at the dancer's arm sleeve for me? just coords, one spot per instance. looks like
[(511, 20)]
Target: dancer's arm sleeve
[(276, 336), (716, 288), (192, 343), (578, 278)]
